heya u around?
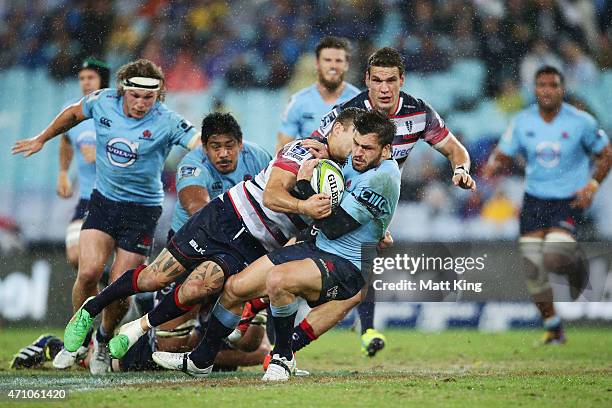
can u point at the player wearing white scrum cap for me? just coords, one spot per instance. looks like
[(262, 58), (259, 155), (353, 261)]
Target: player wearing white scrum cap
[(134, 134)]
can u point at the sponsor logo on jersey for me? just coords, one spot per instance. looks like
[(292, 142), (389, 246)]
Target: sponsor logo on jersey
[(401, 151), (217, 185), (548, 154), (121, 152), (106, 122), (374, 202)]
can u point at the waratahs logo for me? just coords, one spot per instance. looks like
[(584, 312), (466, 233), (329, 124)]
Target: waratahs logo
[(121, 152)]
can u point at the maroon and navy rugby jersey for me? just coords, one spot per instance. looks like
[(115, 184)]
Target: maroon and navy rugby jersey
[(413, 117), (271, 228)]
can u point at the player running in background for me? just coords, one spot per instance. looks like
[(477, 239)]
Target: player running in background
[(208, 171), (249, 220), (306, 107), (135, 132), (329, 268), (415, 120), (557, 142), (80, 141)]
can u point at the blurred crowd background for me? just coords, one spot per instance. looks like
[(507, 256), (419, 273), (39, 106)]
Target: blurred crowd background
[(473, 60)]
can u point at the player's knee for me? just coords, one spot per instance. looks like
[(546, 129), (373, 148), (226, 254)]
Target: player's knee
[(89, 275), (559, 249), (230, 290), (555, 262), (275, 281)]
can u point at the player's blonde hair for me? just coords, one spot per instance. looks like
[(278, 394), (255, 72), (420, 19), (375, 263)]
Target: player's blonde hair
[(141, 68)]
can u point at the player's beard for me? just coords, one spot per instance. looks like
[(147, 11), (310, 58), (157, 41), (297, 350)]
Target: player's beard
[(331, 86), (370, 165)]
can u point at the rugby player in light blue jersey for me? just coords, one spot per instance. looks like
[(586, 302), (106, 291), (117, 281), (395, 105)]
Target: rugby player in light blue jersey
[(80, 142), (303, 114), (208, 171), (328, 269), (134, 133), (557, 142)]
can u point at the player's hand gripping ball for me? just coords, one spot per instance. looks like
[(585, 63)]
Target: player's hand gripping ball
[(327, 179)]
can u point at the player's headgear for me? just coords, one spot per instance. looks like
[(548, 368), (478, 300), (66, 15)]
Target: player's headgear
[(101, 67), (141, 74), (149, 84)]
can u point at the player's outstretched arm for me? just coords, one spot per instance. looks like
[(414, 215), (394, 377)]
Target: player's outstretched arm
[(67, 119), (64, 186), (460, 160)]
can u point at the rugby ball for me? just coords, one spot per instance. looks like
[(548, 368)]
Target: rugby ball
[(327, 179)]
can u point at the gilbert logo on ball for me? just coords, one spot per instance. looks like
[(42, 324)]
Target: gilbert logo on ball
[(327, 179)]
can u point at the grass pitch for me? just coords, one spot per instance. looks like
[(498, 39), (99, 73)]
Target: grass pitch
[(453, 368)]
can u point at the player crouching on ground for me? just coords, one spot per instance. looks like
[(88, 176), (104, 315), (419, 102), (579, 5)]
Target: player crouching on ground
[(178, 335), (320, 271)]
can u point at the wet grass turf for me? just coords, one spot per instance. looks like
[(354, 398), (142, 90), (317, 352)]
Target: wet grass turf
[(452, 368)]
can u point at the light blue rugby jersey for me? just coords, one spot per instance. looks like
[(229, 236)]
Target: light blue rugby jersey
[(306, 109), (195, 169), (130, 152), (370, 198), (557, 153), (83, 134)]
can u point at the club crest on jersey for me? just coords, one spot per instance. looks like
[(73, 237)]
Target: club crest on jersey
[(121, 152), (374, 202), (410, 124), (146, 135)]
